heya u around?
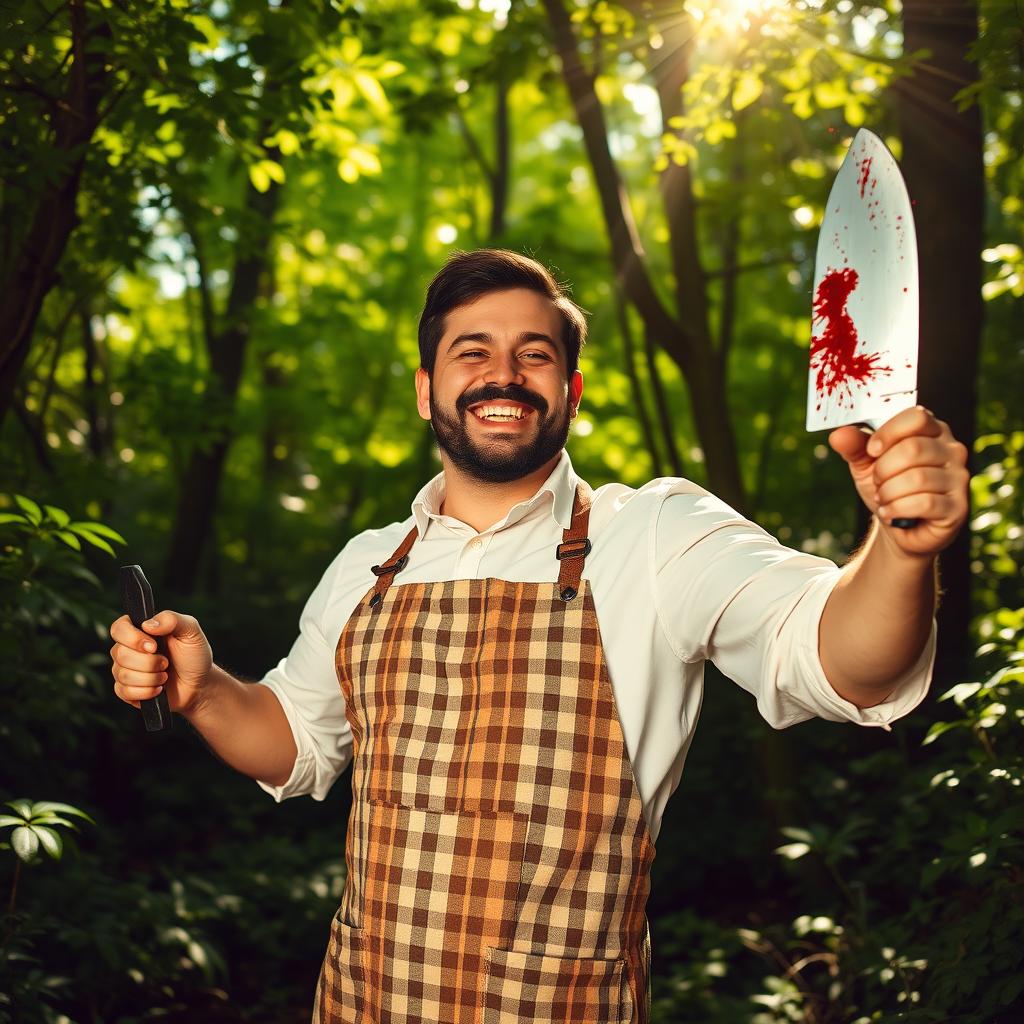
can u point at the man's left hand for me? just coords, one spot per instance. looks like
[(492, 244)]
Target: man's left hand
[(910, 468)]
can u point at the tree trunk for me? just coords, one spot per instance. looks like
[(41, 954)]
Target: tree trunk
[(94, 390), (685, 335), (668, 430), (942, 162), (75, 118), (500, 177), (629, 359), (201, 485)]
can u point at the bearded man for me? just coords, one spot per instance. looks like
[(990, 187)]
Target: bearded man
[(515, 672)]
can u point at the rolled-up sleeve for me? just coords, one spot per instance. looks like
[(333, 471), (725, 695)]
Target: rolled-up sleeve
[(307, 687), (729, 592)]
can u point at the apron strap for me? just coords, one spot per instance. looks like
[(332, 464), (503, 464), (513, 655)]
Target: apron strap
[(387, 571), (575, 546), (571, 554)]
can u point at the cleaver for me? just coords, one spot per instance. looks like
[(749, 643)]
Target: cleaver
[(865, 312), (137, 604)]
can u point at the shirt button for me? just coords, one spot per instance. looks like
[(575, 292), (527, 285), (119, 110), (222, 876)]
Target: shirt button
[(474, 545)]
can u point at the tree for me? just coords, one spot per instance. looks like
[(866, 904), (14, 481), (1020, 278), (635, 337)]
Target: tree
[(942, 161), (56, 79), (685, 334)]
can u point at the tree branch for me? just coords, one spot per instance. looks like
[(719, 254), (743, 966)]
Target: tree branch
[(34, 430), (627, 251), (668, 432), (730, 251), (500, 177), (472, 144), (629, 354)]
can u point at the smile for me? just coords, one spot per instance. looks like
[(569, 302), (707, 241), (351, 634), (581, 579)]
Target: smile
[(500, 412)]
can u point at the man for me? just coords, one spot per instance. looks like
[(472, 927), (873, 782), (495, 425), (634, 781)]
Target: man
[(521, 667)]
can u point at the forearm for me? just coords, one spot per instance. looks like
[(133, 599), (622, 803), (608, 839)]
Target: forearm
[(877, 620), (245, 726)]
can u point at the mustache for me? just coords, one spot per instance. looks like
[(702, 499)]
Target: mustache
[(492, 393)]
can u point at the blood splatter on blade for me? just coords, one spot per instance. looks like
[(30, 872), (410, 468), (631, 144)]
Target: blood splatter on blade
[(840, 367)]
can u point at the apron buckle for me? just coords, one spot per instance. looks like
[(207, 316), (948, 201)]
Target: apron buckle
[(383, 570), (573, 549)]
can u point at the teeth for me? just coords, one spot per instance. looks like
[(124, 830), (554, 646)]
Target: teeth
[(500, 412)]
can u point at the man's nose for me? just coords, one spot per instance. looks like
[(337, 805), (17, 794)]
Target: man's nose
[(504, 369)]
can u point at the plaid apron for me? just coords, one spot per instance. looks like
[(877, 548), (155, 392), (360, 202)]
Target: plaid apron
[(498, 856)]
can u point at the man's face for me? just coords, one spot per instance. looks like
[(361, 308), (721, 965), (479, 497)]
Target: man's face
[(498, 399)]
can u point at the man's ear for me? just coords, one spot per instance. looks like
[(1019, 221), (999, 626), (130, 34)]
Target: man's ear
[(423, 393), (576, 390)]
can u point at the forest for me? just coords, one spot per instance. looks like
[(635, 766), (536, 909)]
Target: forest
[(219, 220)]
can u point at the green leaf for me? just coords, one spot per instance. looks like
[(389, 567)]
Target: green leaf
[(793, 851), (854, 113), (23, 807), (830, 94), (372, 91), (938, 729), (351, 49), (259, 178), (97, 542), (70, 539), (801, 834), (6, 820), (25, 842), (53, 819), (12, 517), (365, 159), (719, 129), (285, 140), (348, 170), (800, 101), (263, 172), (30, 508), (101, 529), (52, 806), (50, 840), (58, 515), (961, 692), (748, 88)]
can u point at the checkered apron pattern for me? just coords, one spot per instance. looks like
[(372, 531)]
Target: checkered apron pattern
[(498, 856)]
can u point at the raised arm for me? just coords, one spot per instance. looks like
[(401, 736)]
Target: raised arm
[(878, 617)]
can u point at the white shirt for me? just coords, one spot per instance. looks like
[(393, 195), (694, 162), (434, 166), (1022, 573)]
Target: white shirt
[(678, 578)]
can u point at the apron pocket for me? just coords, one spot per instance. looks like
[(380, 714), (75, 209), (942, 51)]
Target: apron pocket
[(429, 878), (548, 989), (339, 991)]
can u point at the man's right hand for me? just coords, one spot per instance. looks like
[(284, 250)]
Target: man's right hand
[(140, 671)]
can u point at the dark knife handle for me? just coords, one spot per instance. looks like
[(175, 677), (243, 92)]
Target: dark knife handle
[(137, 604)]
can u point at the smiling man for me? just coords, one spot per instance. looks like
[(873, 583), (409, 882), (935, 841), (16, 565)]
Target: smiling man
[(515, 672)]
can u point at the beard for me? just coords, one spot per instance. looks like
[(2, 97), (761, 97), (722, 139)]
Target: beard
[(503, 457)]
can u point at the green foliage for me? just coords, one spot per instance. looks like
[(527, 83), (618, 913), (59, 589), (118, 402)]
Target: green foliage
[(34, 828), (117, 930)]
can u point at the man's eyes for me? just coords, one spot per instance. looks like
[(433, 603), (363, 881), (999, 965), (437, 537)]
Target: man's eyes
[(534, 357)]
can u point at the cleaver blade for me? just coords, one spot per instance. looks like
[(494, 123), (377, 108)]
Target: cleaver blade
[(865, 312)]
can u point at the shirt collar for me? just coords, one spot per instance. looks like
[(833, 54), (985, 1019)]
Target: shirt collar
[(560, 485)]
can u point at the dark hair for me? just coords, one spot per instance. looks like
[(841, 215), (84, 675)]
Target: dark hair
[(468, 275)]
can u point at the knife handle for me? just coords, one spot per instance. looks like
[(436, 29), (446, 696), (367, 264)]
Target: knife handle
[(137, 604), (904, 524)]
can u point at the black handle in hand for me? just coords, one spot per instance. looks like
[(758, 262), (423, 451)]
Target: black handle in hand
[(137, 604), (904, 524)]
